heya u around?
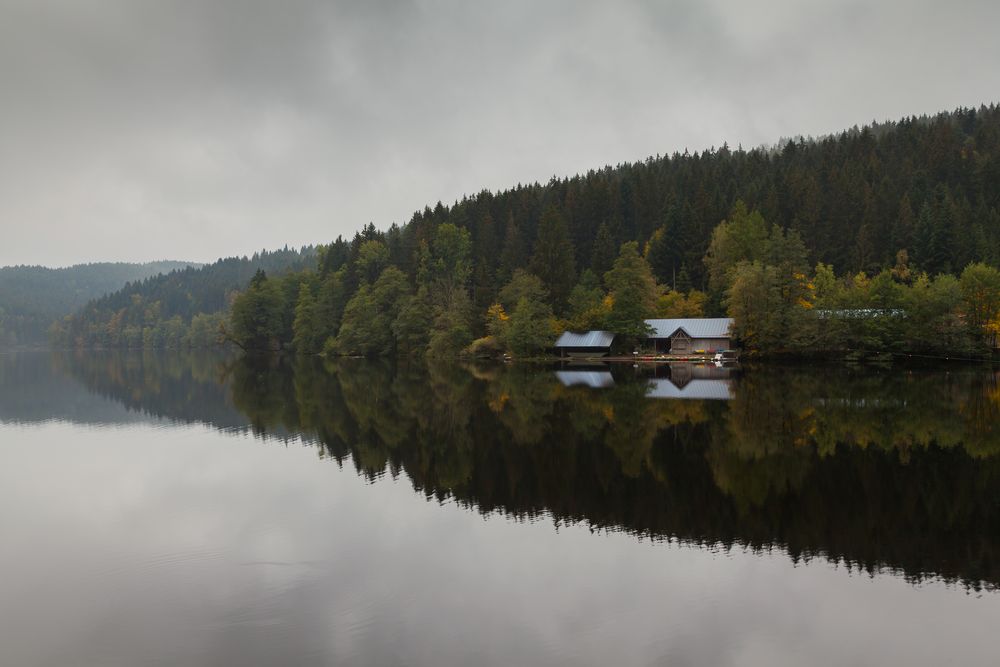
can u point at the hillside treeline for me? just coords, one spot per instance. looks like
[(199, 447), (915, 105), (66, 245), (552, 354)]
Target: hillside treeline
[(182, 308), (758, 275), (921, 194), (33, 297)]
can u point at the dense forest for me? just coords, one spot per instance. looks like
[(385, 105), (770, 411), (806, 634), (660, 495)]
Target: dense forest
[(819, 228), (33, 297), (812, 460), (182, 308)]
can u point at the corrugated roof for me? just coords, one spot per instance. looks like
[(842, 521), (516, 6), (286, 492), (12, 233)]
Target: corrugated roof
[(585, 339), (712, 390), (701, 327)]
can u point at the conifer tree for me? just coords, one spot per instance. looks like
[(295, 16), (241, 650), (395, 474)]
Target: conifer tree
[(602, 256), (448, 273), (633, 293), (553, 258), (484, 256), (305, 340), (902, 231), (513, 255), (661, 256), (683, 283)]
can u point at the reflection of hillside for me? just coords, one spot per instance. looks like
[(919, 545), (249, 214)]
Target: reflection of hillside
[(186, 387), (894, 470), (772, 466), (32, 389)]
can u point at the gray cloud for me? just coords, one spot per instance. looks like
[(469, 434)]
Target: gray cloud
[(140, 130)]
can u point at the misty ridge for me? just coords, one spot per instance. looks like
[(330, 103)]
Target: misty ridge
[(33, 297)]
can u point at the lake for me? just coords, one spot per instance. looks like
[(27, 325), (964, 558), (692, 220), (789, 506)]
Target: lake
[(194, 509)]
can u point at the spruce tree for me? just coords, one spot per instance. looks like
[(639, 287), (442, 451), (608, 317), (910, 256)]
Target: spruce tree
[(513, 255), (552, 260), (602, 255), (305, 340), (661, 256)]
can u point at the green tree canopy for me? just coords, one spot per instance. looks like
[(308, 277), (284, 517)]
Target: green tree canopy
[(587, 309), (633, 292), (257, 317), (367, 328), (522, 322), (980, 287)]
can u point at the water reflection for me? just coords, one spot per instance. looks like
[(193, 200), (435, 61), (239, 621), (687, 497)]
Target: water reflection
[(706, 382), (709, 382), (879, 469), (595, 378)]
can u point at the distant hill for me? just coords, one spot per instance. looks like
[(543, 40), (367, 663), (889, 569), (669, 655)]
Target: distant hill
[(163, 307), (33, 297)]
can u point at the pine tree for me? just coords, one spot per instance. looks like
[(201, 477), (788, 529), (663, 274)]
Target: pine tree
[(553, 258), (661, 256), (602, 255), (902, 233), (931, 240), (513, 255), (305, 340), (683, 283), (484, 255)]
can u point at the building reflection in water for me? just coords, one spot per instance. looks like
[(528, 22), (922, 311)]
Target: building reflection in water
[(707, 382)]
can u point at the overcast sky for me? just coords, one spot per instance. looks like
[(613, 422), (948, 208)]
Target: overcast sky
[(140, 130)]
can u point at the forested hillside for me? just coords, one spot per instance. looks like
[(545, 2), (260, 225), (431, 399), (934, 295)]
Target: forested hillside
[(33, 297), (920, 196), (184, 306), (928, 185)]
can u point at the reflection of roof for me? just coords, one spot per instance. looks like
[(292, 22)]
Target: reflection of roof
[(586, 339), (592, 379), (699, 327), (719, 390)]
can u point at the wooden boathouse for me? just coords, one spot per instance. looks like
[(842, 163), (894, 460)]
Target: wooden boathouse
[(686, 336)]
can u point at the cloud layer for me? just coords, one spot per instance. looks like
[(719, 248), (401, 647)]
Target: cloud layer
[(139, 130)]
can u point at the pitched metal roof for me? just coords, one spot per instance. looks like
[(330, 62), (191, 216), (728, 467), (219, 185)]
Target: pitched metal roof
[(585, 339), (711, 390), (700, 327)]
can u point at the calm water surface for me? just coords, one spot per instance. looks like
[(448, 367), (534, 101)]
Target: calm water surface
[(169, 509)]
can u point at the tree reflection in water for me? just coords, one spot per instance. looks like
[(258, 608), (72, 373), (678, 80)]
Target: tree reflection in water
[(879, 469)]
